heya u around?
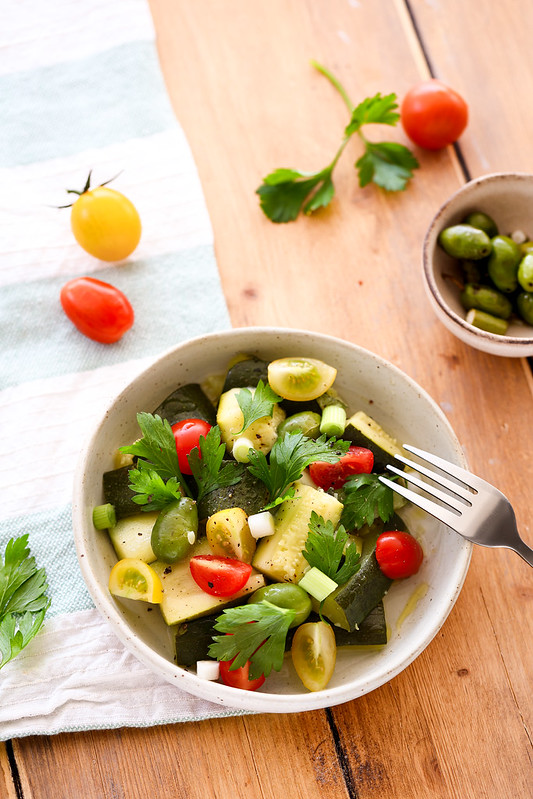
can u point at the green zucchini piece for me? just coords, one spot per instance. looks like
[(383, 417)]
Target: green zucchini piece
[(349, 604), (131, 536), (363, 431), (250, 494), (118, 493), (194, 637), (187, 402), (246, 374)]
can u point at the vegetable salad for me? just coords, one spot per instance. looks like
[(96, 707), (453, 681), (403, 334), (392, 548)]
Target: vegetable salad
[(254, 517)]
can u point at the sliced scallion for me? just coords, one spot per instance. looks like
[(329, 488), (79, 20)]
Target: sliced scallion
[(333, 420), (104, 516), (318, 584)]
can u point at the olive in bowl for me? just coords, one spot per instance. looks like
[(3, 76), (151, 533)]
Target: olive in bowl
[(477, 265)]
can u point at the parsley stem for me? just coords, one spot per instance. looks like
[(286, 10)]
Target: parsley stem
[(336, 83)]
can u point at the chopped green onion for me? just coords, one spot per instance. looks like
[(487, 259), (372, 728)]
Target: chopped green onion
[(240, 450), (318, 584), (486, 321), (208, 669), (333, 420), (261, 524), (104, 516)]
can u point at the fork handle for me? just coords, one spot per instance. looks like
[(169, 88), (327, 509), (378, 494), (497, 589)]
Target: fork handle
[(524, 551)]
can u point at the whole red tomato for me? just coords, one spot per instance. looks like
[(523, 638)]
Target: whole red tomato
[(398, 554), (99, 310), (433, 115), (187, 434)]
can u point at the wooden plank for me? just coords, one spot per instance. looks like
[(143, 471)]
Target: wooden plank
[(243, 90), (8, 790)]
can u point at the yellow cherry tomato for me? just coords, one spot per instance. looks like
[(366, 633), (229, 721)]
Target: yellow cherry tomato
[(300, 379), (314, 653), (132, 578), (105, 223)]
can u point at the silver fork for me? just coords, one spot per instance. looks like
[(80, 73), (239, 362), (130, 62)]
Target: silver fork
[(475, 509)]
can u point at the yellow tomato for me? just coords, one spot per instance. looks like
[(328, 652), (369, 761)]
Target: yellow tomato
[(300, 379), (132, 578), (314, 653), (105, 223)]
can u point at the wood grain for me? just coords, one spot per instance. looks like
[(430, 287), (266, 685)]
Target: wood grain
[(457, 723)]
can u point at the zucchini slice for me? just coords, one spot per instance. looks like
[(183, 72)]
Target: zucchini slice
[(279, 556), (183, 599), (363, 431), (250, 494), (131, 536), (118, 493), (246, 373), (187, 402)]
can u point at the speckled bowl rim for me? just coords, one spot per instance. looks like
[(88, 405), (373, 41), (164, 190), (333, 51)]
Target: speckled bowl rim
[(429, 242), (233, 698)]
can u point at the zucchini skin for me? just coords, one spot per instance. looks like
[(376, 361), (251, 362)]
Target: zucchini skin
[(354, 432), (187, 402), (194, 637), (250, 494), (118, 493), (246, 374)]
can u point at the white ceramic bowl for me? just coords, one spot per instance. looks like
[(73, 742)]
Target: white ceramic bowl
[(508, 198), (368, 383)]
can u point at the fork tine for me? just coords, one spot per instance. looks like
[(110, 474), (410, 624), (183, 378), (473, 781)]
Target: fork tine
[(443, 515), (460, 490), (463, 475), (452, 502)]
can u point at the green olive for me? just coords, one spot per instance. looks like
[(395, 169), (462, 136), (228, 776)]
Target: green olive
[(525, 272), (483, 222), (524, 304), (526, 247), (503, 263), (487, 299), (285, 595), (465, 241), (170, 534), (306, 422)]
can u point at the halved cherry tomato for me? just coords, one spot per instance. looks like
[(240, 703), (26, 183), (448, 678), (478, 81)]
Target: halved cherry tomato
[(314, 652), (132, 578), (239, 678), (105, 223), (187, 434), (300, 379), (99, 310), (398, 554), (358, 460), (219, 576), (433, 115)]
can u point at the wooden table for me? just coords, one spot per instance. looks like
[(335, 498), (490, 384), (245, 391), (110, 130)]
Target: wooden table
[(458, 722)]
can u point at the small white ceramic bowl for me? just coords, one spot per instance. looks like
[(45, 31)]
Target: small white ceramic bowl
[(508, 198), (368, 383)]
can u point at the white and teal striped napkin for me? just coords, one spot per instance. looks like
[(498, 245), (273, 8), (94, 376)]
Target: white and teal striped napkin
[(81, 89)]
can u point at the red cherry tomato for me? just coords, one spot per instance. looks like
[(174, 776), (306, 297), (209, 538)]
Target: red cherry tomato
[(433, 115), (358, 460), (239, 678), (187, 434), (398, 554), (219, 576), (99, 310)]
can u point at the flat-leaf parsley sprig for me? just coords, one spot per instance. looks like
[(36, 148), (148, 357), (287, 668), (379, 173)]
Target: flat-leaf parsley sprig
[(331, 550), (285, 192), (364, 499), (207, 466), (288, 458), (23, 598), (256, 404), (262, 642)]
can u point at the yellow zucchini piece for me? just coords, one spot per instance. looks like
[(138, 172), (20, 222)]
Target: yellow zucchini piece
[(279, 556), (131, 536)]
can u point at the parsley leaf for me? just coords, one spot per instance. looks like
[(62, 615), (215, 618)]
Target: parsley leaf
[(289, 456), (206, 465), (365, 498), (327, 548), (262, 643), (285, 192), (157, 448), (23, 599), (256, 404), (153, 493)]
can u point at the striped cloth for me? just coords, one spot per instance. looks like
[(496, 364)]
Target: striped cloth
[(81, 89)]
